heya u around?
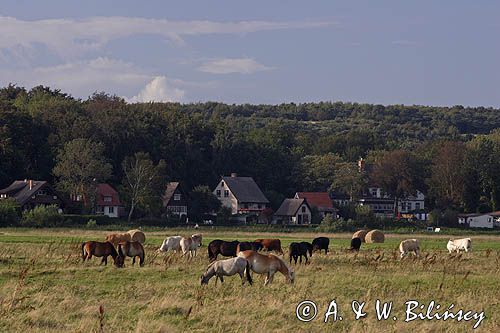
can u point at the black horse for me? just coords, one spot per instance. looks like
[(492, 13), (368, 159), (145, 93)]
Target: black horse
[(243, 246), (297, 250), (224, 248), (321, 243), (355, 244)]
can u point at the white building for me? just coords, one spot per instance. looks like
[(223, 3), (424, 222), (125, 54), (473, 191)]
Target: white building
[(477, 220), (293, 211)]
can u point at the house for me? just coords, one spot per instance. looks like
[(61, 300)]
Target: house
[(321, 201), (293, 211), (108, 201), (175, 200), (31, 193), (484, 220), (241, 194)]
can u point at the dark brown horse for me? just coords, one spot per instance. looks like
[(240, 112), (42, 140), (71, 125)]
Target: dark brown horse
[(99, 249), (224, 248), (130, 249), (299, 250), (243, 246)]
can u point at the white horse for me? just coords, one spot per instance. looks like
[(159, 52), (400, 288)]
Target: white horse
[(268, 264), (190, 245), (227, 267), (172, 243)]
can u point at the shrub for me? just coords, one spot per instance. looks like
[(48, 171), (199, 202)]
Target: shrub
[(9, 212), (329, 224), (91, 223), (42, 216)]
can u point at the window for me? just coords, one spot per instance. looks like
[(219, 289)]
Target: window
[(111, 209), (417, 205), (303, 209), (3, 196), (259, 206), (108, 199), (221, 184), (218, 193), (226, 193), (177, 197), (42, 192)]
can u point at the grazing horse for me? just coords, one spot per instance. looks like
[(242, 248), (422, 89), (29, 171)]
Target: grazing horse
[(99, 249), (227, 267), (321, 243), (243, 246), (224, 248), (130, 249), (191, 244), (297, 250), (115, 239), (270, 245), (355, 244), (268, 264), (172, 243)]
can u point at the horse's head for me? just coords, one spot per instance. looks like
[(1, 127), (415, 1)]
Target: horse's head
[(204, 279), (119, 261), (291, 275)]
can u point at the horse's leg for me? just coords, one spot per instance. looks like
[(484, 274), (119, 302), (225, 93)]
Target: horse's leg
[(242, 278), (300, 259), (105, 260), (268, 278), (141, 260), (133, 260), (102, 261), (221, 278)]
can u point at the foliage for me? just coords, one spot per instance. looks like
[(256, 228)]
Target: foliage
[(223, 215), (42, 217), (9, 212), (91, 223), (203, 201)]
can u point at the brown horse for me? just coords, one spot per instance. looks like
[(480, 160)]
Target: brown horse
[(99, 249), (115, 239), (270, 244), (130, 249), (267, 264)]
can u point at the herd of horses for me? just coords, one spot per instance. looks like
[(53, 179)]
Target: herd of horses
[(245, 257)]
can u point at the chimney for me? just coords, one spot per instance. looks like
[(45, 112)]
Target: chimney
[(234, 175), (361, 165), (31, 184)]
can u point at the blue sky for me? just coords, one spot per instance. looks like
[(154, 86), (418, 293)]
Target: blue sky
[(389, 52)]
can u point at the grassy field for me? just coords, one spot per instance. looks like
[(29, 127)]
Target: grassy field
[(44, 286)]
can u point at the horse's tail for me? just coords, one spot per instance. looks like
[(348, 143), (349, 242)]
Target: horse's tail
[(83, 251), (211, 254), (247, 272)]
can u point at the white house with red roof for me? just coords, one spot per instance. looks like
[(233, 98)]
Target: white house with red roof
[(320, 200), (108, 201)]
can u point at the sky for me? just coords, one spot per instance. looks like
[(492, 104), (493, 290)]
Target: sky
[(440, 53)]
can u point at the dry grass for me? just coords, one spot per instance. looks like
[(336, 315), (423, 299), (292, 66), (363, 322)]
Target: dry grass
[(45, 287)]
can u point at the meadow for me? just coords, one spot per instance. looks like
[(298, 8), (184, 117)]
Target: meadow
[(45, 287)]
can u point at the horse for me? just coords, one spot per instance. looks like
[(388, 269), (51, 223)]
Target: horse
[(218, 246), (227, 267), (355, 244), (243, 246), (268, 264), (130, 249), (270, 245), (99, 249), (297, 250), (117, 238), (321, 243), (191, 244), (137, 235), (172, 243)]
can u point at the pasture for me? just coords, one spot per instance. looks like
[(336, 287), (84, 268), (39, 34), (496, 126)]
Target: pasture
[(44, 286)]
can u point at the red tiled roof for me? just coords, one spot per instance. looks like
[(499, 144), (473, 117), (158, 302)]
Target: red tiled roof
[(105, 190), (316, 199)]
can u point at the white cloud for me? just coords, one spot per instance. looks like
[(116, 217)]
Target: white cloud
[(234, 65), (158, 90), (70, 37)]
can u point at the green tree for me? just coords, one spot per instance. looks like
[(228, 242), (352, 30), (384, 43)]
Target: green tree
[(203, 201), (80, 166), (318, 172), (143, 181), (9, 212), (348, 179)]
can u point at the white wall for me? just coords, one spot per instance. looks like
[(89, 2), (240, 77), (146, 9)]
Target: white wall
[(482, 221)]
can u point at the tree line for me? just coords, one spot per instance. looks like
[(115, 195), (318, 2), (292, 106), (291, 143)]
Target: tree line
[(449, 153)]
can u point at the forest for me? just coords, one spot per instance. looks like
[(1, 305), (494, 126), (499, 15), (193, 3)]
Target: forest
[(449, 153)]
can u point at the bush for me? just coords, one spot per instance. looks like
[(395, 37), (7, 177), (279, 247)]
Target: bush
[(42, 216), (329, 224), (9, 213), (91, 223), (82, 220)]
